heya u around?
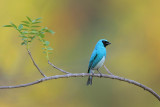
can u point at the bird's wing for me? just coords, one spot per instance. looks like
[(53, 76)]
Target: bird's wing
[(93, 57)]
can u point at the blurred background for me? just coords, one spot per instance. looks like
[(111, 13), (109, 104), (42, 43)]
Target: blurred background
[(133, 28)]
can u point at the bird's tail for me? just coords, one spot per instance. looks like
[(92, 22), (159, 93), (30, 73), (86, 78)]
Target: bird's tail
[(89, 82)]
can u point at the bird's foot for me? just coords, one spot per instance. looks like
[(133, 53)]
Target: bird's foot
[(92, 73), (100, 73)]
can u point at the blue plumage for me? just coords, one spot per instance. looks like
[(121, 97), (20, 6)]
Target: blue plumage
[(97, 58)]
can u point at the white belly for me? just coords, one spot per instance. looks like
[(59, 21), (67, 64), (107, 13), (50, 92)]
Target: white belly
[(100, 63)]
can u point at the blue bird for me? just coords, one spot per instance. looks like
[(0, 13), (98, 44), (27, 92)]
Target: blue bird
[(97, 58)]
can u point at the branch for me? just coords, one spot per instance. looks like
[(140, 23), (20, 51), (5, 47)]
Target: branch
[(84, 75), (68, 74), (107, 70), (36, 64), (57, 68)]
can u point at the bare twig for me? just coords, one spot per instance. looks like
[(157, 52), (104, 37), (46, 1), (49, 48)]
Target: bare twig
[(58, 68), (107, 70), (83, 75), (36, 64)]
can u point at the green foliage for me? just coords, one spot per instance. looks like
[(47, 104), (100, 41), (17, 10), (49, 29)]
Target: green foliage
[(29, 30), (7, 26)]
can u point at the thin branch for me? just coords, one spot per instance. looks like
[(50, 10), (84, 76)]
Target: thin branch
[(58, 68), (84, 75), (107, 70), (36, 64)]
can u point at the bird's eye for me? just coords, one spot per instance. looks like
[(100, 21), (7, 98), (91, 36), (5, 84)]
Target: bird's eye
[(104, 42)]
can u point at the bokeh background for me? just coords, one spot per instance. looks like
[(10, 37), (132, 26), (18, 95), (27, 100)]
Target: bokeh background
[(133, 28)]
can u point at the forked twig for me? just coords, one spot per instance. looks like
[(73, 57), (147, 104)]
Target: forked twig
[(58, 68), (36, 64), (107, 70)]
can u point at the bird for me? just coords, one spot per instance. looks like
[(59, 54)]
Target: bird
[(97, 58)]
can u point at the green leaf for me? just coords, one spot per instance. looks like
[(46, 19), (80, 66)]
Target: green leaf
[(24, 38), (46, 43), (42, 35), (43, 48), (24, 29), (36, 22), (26, 22), (29, 18), (35, 26), (49, 48), (20, 27), (44, 29), (51, 31), (13, 25), (33, 32), (33, 21), (23, 43), (25, 25), (7, 26), (25, 32), (38, 19), (32, 37)]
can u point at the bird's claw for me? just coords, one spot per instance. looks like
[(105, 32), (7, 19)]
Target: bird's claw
[(92, 73), (100, 74)]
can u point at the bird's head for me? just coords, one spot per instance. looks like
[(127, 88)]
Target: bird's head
[(104, 42)]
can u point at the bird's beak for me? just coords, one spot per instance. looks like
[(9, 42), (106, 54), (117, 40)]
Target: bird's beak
[(108, 43)]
